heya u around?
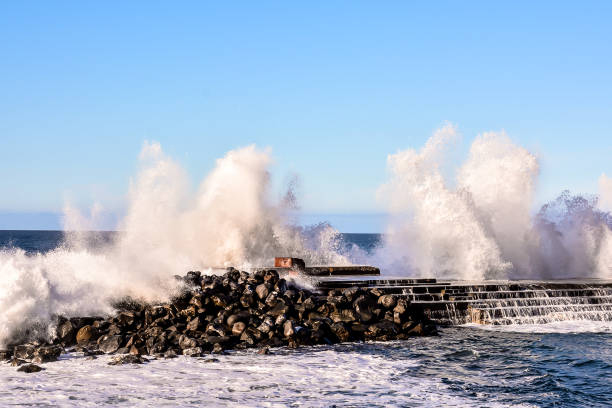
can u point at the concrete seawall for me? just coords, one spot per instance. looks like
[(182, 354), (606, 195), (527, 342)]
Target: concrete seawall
[(493, 302)]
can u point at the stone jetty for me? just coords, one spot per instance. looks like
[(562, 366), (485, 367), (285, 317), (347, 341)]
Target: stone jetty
[(235, 310)]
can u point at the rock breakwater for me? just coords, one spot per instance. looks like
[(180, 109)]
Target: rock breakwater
[(237, 310)]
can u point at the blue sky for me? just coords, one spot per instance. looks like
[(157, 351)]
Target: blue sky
[(331, 87)]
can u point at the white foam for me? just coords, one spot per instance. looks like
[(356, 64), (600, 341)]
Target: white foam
[(314, 377)]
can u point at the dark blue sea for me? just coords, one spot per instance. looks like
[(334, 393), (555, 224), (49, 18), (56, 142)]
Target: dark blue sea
[(564, 364)]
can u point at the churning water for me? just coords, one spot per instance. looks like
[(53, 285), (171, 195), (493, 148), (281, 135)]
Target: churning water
[(534, 365)]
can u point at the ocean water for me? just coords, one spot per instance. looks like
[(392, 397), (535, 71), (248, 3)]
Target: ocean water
[(564, 364)]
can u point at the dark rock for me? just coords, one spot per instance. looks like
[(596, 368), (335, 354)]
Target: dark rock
[(242, 316), (346, 315), (30, 368), (215, 329), (5, 355), (238, 328), (127, 359), (220, 300), (24, 351), (46, 354), (363, 308), (216, 339), (341, 332), (110, 344), (262, 291), (351, 293), (170, 354), (280, 308), (263, 350), (413, 328), (387, 301), (288, 330), (193, 352), (383, 327), (218, 349), (194, 324), (187, 342), (66, 332)]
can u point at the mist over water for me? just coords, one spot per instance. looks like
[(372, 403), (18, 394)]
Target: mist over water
[(476, 224)]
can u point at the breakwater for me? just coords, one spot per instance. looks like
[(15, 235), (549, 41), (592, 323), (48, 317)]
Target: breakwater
[(236, 310)]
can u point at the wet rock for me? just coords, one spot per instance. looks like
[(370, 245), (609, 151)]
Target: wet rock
[(24, 351), (5, 355), (170, 354), (193, 352), (413, 328), (218, 349), (110, 344), (341, 332), (127, 359), (46, 354), (66, 332), (238, 328), (30, 368), (387, 301), (288, 329), (210, 360), (85, 334), (280, 308), (345, 315), (363, 308), (187, 342), (262, 291), (237, 317), (263, 350), (194, 324), (15, 362), (384, 327), (351, 293)]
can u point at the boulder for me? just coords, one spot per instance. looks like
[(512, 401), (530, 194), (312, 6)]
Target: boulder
[(288, 330), (262, 291), (110, 343), (341, 332), (46, 354), (85, 334), (193, 352), (238, 328), (24, 351), (30, 368), (127, 359), (387, 301), (65, 332)]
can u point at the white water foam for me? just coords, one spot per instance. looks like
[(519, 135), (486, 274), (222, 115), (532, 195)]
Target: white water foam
[(312, 377)]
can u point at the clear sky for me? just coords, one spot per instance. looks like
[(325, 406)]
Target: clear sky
[(331, 87)]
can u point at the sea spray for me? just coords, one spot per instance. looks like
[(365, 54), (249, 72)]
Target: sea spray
[(168, 229), (482, 226), (435, 230)]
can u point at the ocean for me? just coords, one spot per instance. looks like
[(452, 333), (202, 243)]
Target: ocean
[(561, 364)]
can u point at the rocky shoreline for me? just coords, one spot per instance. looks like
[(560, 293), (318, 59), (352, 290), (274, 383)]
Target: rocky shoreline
[(237, 310)]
